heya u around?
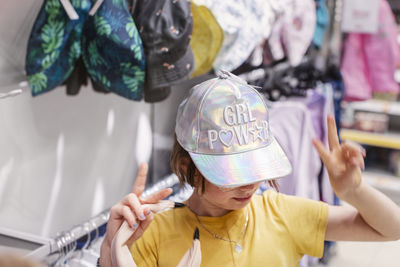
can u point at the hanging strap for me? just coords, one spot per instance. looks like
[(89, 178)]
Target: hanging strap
[(69, 9), (95, 7)]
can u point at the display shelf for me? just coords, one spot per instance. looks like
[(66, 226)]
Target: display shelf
[(378, 106), (382, 180), (387, 140)]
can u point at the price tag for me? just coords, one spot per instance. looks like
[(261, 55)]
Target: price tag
[(360, 16)]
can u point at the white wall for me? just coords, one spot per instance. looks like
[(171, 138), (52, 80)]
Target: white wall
[(62, 158)]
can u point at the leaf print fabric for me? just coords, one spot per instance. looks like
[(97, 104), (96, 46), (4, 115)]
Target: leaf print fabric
[(112, 50), (52, 35), (54, 45), (108, 43), (37, 81), (101, 26)]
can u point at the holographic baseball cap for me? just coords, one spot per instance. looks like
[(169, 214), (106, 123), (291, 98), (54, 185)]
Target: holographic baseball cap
[(223, 124)]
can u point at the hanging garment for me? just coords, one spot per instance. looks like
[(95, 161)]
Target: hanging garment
[(206, 39), (245, 25), (54, 45), (291, 124), (293, 31), (365, 68), (108, 42), (322, 22), (112, 50), (320, 104), (165, 28), (336, 82), (78, 78)]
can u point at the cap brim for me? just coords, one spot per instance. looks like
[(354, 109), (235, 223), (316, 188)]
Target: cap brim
[(239, 169)]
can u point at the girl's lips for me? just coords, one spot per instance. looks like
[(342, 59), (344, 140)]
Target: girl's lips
[(242, 199)]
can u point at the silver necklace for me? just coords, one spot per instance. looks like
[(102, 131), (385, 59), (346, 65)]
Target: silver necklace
[(238, 247)]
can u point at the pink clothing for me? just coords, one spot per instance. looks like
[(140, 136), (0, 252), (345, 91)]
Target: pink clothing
[(293, 31), (369, 60)]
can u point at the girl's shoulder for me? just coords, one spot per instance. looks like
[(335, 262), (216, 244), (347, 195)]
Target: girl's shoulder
[(287, 206), (268, 197)]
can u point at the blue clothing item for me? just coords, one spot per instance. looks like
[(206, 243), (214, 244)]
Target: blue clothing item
[(54, 45), (338, 95), (322, 22), (112, 50), (86, 241)]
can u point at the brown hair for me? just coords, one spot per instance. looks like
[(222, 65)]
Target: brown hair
[(191, 175)]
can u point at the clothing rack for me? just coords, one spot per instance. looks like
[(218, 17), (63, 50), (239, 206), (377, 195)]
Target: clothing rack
[(84, 234), (73, 239)]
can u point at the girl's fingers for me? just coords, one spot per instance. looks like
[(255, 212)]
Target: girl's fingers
[(354, 154), (116, 211), (149, 218), (323, 153), (142, 226), (121, 211), (154, 198), (353, 149), (140, 182), (129, 217), (354, 145), (356, 161), (133, 202), (333, 138)]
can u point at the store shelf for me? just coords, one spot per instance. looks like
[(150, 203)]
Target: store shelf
[(388, 140), (378, 106), (383, 181)]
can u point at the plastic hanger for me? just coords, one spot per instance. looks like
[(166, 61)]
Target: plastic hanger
[(89, 255), (78, 258)]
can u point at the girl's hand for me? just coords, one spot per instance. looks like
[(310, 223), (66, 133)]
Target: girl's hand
[(130, 209), (344, 162)]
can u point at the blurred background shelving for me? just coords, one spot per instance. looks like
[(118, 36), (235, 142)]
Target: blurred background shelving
[(375, 124)]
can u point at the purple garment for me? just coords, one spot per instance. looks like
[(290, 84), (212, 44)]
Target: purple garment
[(320, 104), (291, 124), (316, 105)]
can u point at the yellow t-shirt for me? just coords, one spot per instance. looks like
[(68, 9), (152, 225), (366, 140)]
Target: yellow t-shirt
[(280, 230)]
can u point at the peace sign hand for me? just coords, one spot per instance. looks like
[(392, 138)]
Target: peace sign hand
[(344, 162), (130, 208)]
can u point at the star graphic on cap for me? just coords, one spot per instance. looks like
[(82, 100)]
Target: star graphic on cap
[(256, 132)]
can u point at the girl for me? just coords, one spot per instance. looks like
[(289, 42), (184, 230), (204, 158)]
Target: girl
[(224, 149)]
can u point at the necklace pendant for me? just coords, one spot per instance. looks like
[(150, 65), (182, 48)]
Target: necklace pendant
[(238, 248)]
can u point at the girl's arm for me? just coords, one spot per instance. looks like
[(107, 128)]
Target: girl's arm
[(372, 216)]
